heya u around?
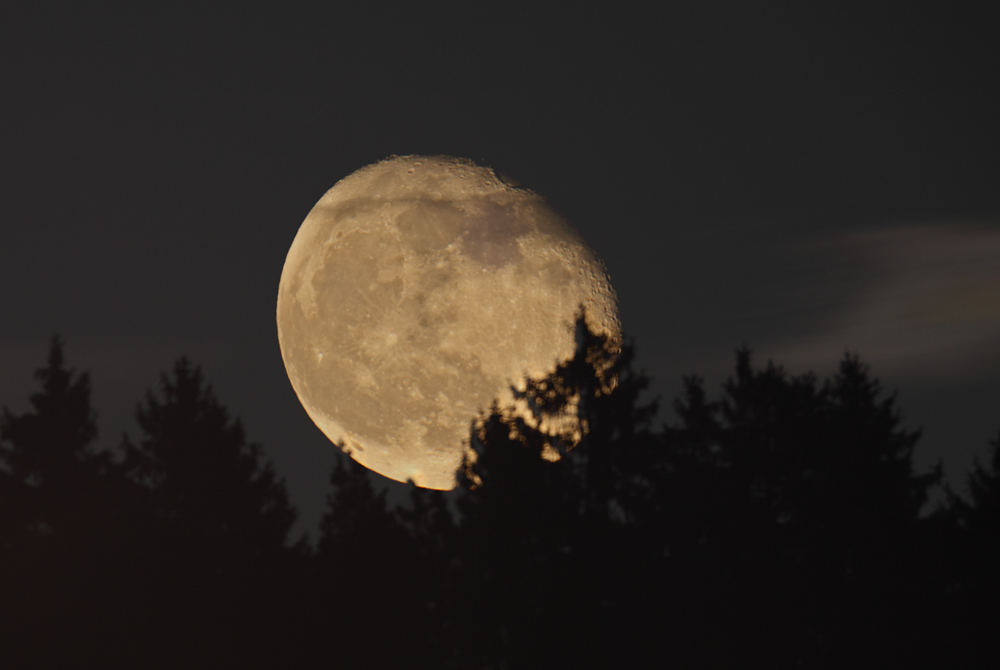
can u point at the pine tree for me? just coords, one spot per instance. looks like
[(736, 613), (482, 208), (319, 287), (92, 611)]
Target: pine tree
[(982, 512), (979, 520), (357, 520), (870, 454), (803, 459), (209, 489), (65, 530), (432, 532), (799, 501), (214, 564), (52, 466), (551, 498), (368, 592)]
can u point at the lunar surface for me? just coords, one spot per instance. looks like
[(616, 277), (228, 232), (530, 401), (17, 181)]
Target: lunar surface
[(416, 292)]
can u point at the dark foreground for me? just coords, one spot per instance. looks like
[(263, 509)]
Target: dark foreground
[(781, 525)]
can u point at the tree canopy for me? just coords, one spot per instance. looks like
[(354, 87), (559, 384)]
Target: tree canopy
[(779, 522), (207, 484)]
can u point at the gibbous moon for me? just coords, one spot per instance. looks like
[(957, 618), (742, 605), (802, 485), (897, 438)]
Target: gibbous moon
[(416, 292)]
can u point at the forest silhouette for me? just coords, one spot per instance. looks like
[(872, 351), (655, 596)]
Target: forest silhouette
[(782, 524)]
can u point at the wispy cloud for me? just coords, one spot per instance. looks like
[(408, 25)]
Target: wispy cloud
[(930, 312)]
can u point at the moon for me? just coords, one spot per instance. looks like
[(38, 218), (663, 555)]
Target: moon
[(417, 291)]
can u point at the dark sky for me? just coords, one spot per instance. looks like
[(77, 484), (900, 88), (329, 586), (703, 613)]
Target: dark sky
[(803, 180)]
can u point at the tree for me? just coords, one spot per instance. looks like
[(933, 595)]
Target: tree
[(357, 532), (215, 550), (869, 456), (432, 533), (979, 521), (51, 463), (801, 501), (981, 514), (548, 497), (834, 458), (209, 488), (65, 528), (368, 592)]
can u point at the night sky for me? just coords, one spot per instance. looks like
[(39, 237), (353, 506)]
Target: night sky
[(800, 180)]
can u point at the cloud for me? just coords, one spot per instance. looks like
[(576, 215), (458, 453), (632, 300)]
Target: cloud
[(930, 311)]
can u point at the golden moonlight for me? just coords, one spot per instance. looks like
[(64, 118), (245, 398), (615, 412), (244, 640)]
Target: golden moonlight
[(416, 292)]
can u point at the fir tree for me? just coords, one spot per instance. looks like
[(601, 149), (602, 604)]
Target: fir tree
[(368, 591), (982, 512), (979, 520), (52, 468), (209, 489), (551, 498), (65, 528), (214, 565), (799, 501), (357, 520)]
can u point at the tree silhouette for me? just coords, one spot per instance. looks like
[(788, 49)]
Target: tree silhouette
[(981, 514), (751, 531), (368, 589), (66, 523), (802, 503), (977, 580), (781, 524), (51, 457), (546, 541), (357, 519), (518, 515), (219, 522), (209, 487), (431, 530)]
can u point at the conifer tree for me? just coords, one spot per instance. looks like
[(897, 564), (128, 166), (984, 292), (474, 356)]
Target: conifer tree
[(63, 527), (550, 497), (210, 491), (368, 590), (979, 519), (982, 512), (802, 458), (357, 520), (52, 468), (214, 555), (802, 500)]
